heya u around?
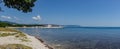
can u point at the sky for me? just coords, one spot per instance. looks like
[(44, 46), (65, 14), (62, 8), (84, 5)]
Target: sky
[(68, 12)]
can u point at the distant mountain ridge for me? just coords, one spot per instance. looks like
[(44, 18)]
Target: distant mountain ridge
[(8, 22), (12, 24)]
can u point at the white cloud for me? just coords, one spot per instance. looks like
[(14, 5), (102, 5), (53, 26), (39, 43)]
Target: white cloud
[(6, 17), (37, 18), (16, 18), (13, 18)]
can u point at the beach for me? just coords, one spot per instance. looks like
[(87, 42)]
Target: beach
[(14, 37)]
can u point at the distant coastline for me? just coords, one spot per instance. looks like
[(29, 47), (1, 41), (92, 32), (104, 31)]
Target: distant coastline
[(35, 26)]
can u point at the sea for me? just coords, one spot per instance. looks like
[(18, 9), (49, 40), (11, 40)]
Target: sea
[(78, 38)]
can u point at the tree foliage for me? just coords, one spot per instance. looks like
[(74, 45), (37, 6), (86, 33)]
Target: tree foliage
[(4, 24), (21, 5)]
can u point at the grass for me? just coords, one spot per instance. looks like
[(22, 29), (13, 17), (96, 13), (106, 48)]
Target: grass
[(14, 46), (18, 34), (7, 34), (8, 30)]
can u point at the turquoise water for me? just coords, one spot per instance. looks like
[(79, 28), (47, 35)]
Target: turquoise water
[(78, 38)]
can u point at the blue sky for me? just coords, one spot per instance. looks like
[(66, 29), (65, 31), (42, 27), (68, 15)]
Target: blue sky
[(68, 12)]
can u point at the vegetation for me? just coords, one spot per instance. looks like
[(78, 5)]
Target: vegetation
[(9, 30), (7, 34), (4, 24), (14, 46), (12, 24), (17, 34), (20, 5)]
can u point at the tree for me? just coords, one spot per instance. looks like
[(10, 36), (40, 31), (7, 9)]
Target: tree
[(4, 24), (21, 5)]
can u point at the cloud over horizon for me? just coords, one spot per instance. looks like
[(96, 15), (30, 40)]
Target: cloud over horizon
[(6, 17), (9, 18), (37, 18), (16, 18)]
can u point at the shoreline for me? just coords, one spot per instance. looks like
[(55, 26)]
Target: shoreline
[(14, 36), (34, 27), (40, 40), (46, 45)]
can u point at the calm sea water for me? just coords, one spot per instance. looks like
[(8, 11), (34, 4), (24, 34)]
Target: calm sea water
[(78, 38)]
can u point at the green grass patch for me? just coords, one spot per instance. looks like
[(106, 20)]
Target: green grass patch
[(20, 35), (14, 46), (7, 34), (8, 30)]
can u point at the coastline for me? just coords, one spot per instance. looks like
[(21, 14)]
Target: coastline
[(31, 41), (34, 27), (46, 45)]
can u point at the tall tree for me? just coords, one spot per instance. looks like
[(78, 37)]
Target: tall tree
[(21, 5)]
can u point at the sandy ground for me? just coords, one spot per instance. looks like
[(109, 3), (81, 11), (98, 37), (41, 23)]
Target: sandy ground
[(34, 43)]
